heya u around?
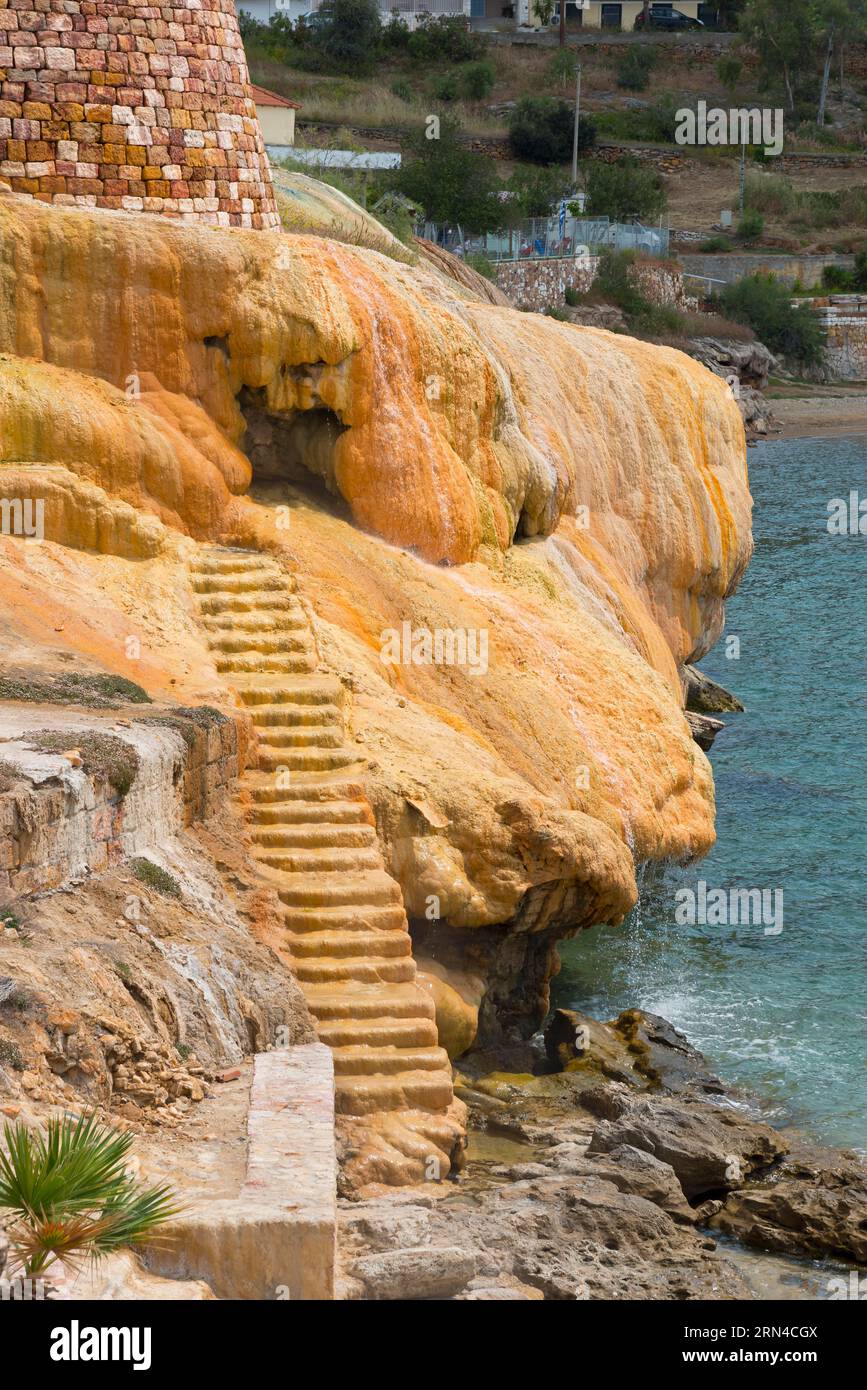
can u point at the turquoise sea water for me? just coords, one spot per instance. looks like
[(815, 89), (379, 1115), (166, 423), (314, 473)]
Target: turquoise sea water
[(786, 1014)]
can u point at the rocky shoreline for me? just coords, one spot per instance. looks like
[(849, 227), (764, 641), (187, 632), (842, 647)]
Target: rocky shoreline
[(605, 1162)]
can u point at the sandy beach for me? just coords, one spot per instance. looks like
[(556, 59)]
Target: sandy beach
[(820, 416)]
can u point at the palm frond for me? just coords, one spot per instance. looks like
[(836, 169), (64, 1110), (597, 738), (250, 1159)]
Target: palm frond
[(71, 1195)]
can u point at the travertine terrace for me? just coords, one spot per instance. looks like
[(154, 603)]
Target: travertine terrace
[(135, 106), (242, 457)]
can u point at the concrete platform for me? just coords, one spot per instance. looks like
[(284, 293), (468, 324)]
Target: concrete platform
[(276, 1239)]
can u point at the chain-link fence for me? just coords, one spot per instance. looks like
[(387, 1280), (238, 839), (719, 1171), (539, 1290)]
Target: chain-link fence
[(557, 235)]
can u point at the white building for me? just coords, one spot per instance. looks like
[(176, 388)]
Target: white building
[(265, 10), (407, 10)]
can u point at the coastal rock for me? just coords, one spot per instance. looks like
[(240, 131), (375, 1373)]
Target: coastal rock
[(427, 1271), (630, 1170), (814, 1204), (414, 433), (751, 362), (712, 1150), (788, 1216), (638, 1048), (707, 696), (704, 729)]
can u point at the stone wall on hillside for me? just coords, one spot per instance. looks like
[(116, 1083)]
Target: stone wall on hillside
[(844, 319), (142, 107), (542, 284)]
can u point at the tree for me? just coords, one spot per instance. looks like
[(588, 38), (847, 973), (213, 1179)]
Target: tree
[(450, 181), (779, 31), (540, 129), (835, 22), (349, 34), (766, 306), (536, 190), (622, 190)]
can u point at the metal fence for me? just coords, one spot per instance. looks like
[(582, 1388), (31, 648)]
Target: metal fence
[(543, 237)]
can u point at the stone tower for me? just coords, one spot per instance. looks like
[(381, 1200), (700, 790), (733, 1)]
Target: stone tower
[(143, 106)]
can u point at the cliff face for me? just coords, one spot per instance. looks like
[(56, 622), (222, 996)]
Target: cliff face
[(574, 503)]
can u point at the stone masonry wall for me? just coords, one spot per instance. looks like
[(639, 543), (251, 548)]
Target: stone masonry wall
[(542, 284), (844, 318), (143, 107)]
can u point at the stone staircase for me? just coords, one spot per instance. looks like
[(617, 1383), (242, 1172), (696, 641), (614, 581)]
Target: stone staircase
[(344, 926)]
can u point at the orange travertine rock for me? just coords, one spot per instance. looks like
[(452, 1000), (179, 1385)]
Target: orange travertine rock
[(579, 497)]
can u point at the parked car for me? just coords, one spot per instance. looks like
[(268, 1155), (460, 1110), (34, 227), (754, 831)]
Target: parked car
[(669, 20)]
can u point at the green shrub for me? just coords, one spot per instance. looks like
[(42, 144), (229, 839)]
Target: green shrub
[(816, 209), (557, 313), (482, 266), (616, 282), (842, 281), (446, 37), (728, 70), (349, 35), (837, 278), (402, 90), (536, 189), (635, 67), (446, 87), (751, 225), (449, 181), (477, 80), (562, 66), (765, 305), (156, 877), (541, 130), (571, 296), (622, 190), (71, 688), (714, 244), (395, 35)]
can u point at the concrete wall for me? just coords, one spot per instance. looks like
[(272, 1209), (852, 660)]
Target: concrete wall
[(732, 266)]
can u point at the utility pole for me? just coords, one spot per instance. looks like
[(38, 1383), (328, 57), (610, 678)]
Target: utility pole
[(575, 131), (562, 22), (743, 176)]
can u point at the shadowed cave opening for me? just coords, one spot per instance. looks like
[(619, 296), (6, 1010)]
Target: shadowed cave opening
[(295, 448)]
